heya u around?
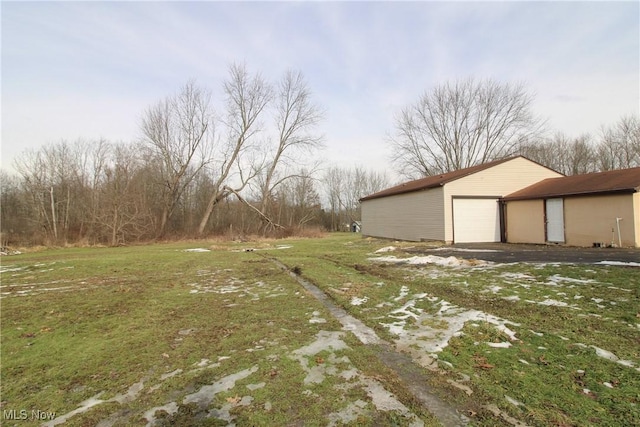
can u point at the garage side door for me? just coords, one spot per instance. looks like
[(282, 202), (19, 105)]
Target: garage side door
[(476, 220), (554, 209)]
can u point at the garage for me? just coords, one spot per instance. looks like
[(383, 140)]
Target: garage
[(424, 209), (595, 209), (476, 220)]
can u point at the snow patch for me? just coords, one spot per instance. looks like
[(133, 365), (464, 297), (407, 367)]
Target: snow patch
[(316, 318), (605, 354), (84, 407), (556, 279), (452, 249), (553, 303), (516, 276), (404, 291), (499, 344), (513, 401), (206, 394), (359, 301), (431, 259), (333, 365), (150, 415), (430, 333), (627, 264)]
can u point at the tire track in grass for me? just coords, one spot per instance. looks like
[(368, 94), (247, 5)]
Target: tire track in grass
[(401, 364)]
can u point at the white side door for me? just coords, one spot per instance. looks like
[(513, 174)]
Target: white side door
[(554, 210)]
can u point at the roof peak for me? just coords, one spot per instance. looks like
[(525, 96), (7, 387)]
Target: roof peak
[(438, 180)]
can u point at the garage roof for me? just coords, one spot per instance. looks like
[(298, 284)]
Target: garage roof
[(616, 181), (435, 180)]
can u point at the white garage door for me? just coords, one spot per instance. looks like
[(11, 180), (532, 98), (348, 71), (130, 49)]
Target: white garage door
[(476, 220)]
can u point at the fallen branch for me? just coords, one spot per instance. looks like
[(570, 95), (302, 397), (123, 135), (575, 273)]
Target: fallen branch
[(262, 215)]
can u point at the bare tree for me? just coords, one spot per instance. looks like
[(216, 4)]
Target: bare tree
[(122, 211), (580, 156), (173, 178), (296, 118), (569, 156), (55, 179), (542, 151), (247, 98), (14, 210), (461, 124), (250, 153), (620, 144), (333, 182), (345, 187), (179, 131)]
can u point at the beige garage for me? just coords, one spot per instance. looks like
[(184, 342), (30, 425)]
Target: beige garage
[(581, 210), (459, 206)]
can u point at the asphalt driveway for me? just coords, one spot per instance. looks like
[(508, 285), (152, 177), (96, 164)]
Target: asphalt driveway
[(509, 252)]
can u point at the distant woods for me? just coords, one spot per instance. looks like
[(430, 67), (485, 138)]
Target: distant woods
[(616, 147), (248, 166)]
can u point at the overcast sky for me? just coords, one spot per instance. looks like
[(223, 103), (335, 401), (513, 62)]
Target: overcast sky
[(88, 70)]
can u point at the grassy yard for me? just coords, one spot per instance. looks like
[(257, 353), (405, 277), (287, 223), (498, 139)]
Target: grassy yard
[(209, 333)]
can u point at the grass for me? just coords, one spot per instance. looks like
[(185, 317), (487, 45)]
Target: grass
[(90, 323), (81, 323), (564, 314)]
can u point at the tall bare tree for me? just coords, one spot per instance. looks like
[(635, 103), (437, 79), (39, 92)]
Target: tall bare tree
[(122, 211), (296, 117), (254, 110), (461, 124), (179, 131), (247, 98)]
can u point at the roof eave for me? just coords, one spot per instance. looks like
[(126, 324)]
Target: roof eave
[(414, 190), (572, 194)]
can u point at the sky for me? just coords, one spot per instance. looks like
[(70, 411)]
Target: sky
[(88, 70)]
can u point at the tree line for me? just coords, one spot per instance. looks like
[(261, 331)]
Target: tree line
[(617, 147), (246, 167), (100, 192), (249, 164)]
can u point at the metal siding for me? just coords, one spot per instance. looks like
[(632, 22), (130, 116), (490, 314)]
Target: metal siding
[(636, 220), (413, 216), (497, 181)]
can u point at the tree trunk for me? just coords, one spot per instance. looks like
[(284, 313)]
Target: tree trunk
[(114, 227), (53, 215), (213, 201)]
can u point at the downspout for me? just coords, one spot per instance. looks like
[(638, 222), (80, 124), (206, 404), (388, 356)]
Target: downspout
[(619, 237)]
